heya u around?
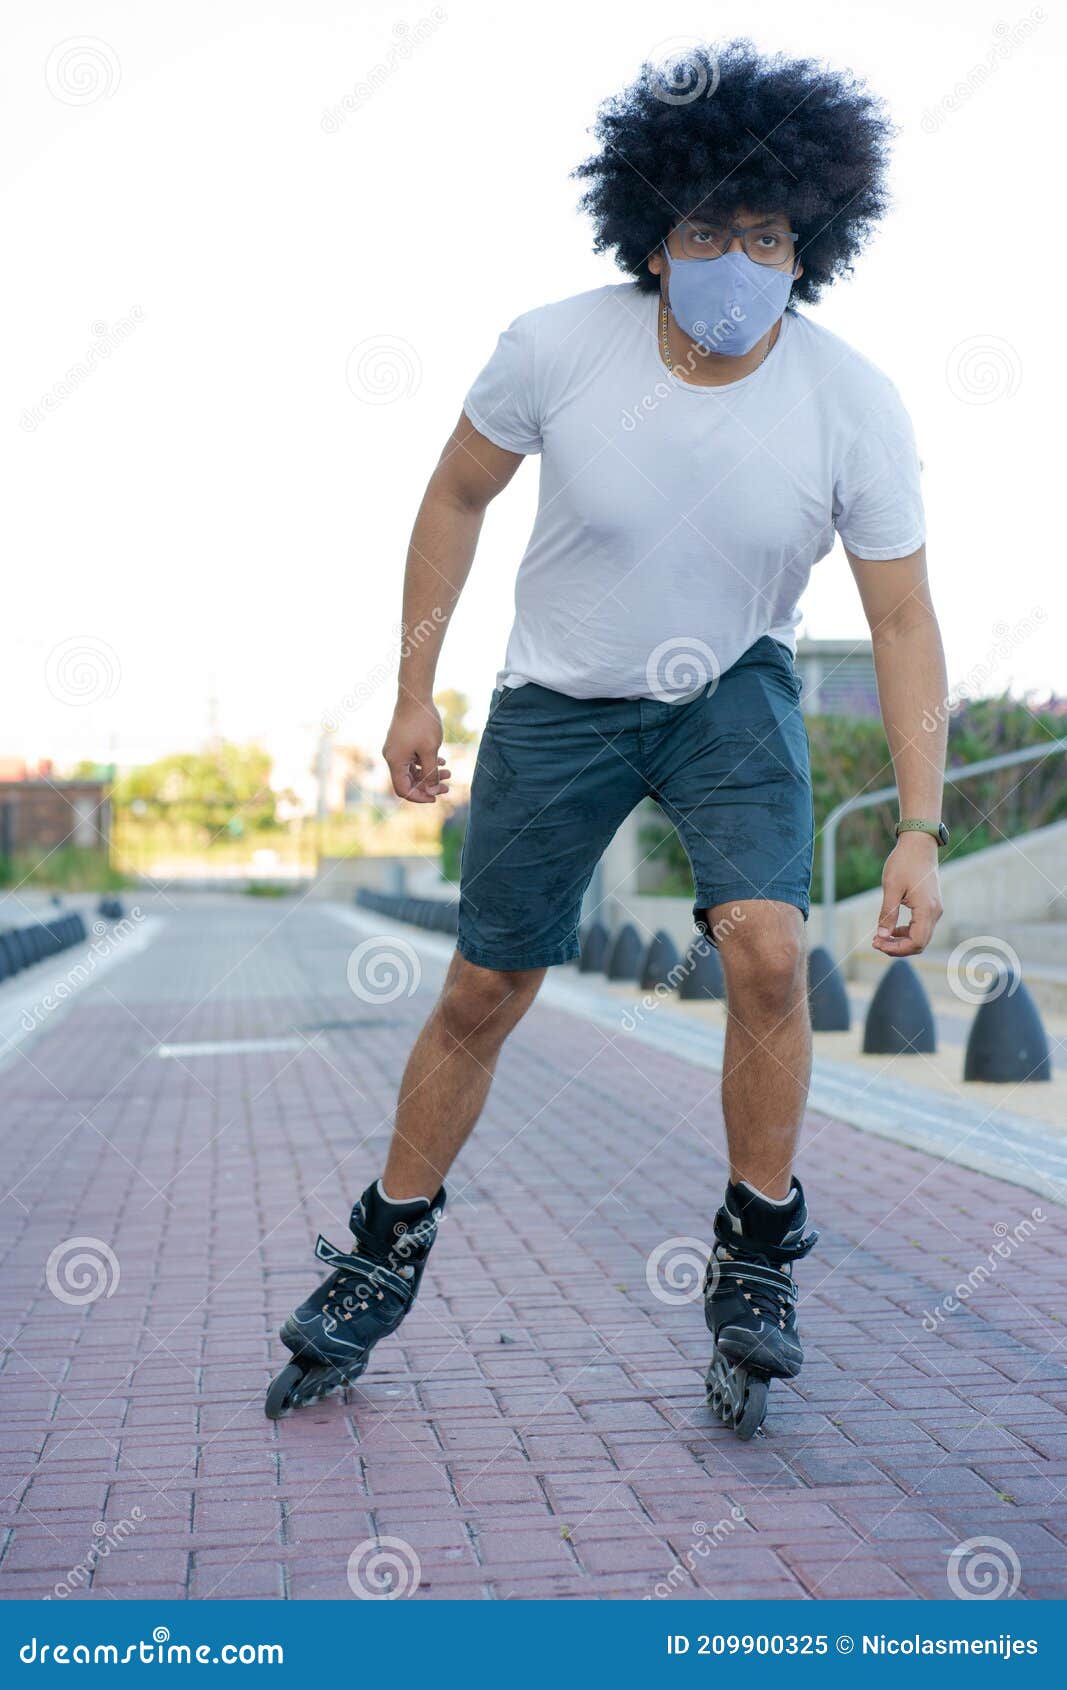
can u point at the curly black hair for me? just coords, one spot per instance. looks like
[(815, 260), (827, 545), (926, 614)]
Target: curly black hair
[(729, 128)]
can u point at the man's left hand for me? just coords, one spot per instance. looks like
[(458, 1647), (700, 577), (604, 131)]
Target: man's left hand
[(909, 877)]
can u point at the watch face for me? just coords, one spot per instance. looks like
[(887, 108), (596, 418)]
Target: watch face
[(942, 833)]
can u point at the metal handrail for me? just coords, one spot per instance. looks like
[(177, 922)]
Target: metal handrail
[(863, 801)]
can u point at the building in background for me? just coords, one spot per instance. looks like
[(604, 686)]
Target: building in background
[(39, 813), (838, 677)]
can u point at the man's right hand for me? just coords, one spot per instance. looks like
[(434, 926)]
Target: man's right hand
[(411, 751)]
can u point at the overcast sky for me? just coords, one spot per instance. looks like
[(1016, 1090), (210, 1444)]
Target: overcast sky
[(196, 215)]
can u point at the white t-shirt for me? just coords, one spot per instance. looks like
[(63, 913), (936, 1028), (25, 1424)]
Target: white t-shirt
[(678, 524)]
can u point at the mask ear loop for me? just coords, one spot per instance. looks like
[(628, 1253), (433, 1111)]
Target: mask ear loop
[(665, 296)]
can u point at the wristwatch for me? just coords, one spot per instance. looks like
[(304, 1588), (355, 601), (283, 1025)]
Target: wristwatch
[(938, 829)]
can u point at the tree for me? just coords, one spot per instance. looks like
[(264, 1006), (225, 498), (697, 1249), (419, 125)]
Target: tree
[(453, 707), (223, 790)]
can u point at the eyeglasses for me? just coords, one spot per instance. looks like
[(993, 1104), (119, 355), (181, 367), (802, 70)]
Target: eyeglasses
[(771, 244)]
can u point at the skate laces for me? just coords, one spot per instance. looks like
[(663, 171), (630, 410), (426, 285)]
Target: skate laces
[(770, 1291)]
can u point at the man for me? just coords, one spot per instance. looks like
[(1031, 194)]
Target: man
[(701, 441)]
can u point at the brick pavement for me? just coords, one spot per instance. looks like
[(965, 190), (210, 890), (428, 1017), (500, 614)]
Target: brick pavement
[(538, 1428)]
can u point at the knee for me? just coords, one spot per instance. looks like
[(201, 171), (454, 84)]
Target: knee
[(765, 971), (482, 1005)]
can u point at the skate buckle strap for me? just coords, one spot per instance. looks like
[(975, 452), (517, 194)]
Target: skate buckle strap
[(768, 1289), (741, 1247), (756, 1275), (364, 1266)]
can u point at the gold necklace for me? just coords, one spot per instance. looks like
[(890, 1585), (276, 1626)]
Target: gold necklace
[(665, 343)]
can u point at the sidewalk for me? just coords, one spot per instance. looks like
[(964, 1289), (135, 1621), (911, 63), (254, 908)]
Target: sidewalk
[(538, 1428)]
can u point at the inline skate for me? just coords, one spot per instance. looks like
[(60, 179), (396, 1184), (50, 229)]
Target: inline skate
[(368, 1293), (750, 1303)]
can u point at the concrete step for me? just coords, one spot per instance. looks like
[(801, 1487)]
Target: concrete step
[(1040, 942), (1046, 982)]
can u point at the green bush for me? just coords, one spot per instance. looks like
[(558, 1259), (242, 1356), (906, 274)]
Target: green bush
[(70, 868), (850, 755), (453, 829)]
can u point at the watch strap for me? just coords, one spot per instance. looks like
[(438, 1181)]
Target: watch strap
[(937, 829)]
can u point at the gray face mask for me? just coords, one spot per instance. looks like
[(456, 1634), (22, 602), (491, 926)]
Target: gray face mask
[(726, 304)]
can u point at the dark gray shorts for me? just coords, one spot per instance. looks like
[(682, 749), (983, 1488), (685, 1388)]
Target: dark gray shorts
[(556, 776)]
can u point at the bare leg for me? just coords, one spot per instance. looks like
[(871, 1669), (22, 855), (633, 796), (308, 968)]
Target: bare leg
[(767, 1062), (450, 1070)]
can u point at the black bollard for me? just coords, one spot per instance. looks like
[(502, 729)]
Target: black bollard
[(13, 951), (703, 976), (1007, 1039), (595, 944), (442, 916), (32, 947), (660, 963), (625, 955), (827, 997), (900, 1020)]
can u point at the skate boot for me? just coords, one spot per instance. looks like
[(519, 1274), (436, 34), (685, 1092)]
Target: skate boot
[(750, 1303), (369, 1291)]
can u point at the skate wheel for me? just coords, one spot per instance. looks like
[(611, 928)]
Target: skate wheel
[(281, 1390), (752, 1413)]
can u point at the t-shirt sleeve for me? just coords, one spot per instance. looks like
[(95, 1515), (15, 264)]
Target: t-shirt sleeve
[(504, 403), (878, 506)]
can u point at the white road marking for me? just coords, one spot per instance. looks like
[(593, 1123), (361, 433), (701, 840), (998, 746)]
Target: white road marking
[(231, 1047)]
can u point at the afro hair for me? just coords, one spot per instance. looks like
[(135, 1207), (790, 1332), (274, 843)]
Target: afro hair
[(729, 128)]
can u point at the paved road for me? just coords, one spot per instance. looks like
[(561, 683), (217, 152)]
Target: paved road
[(538, 1428)]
